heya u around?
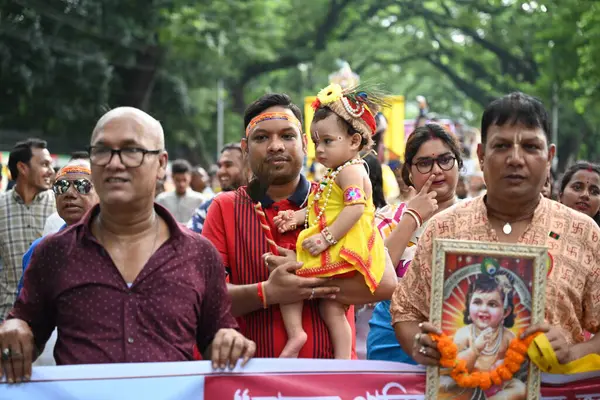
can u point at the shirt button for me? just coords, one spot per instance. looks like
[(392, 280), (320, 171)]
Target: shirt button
[(276, 208), (130, 340)]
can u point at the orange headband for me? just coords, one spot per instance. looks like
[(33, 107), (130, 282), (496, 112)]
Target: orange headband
[(270, 116), (73, 169)]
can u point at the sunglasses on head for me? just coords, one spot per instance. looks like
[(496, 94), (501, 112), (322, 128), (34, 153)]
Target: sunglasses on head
[(61, 186)]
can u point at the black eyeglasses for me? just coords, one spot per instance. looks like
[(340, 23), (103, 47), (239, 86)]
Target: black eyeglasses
[(62, 186), (445, 162), (131, 157)]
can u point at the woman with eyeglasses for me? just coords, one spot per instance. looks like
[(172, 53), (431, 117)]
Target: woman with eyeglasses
[(432, 162)]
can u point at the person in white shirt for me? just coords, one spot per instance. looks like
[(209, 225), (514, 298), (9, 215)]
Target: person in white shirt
[(183, 201), (201, 182)]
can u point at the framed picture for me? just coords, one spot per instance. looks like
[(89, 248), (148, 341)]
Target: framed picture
[(483, 295)]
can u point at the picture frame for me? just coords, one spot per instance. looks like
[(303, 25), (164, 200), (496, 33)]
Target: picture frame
[(492, 291)]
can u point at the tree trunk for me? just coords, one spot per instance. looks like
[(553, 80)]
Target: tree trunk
[(138, 80)]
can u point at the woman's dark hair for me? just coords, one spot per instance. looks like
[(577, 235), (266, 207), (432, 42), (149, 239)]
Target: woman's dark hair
[(267, 101), (324, 112), (515, 108), (568, 175), (487, 284), (419, 137), (373, 166)]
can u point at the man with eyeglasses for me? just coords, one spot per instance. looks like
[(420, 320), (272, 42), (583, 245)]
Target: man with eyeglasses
[(127, 283), (75, 195)]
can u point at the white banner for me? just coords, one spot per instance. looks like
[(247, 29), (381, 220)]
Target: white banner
[(261, 379)]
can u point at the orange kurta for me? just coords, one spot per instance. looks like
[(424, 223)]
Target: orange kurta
[(573, 285)]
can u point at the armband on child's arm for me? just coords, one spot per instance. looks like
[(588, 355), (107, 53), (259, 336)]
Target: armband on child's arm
[(354, 195)]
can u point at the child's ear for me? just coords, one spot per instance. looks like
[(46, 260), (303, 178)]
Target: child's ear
[(356, 141)]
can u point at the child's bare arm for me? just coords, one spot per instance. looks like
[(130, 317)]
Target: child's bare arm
[(289, 220), (466, 351), (351, 180)]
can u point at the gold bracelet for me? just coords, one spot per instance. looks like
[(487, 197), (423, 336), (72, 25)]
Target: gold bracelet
[(328, 236)]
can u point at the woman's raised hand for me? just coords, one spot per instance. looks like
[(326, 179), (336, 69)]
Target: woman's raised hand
[(425, 202)]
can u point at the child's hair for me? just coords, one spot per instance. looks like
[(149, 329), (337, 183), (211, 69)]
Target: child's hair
[(324, 112), (486, 283)]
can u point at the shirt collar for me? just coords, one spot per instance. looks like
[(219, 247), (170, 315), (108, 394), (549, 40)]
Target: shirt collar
[(297, 198), (175, 228), (540, 212), (36, 199)]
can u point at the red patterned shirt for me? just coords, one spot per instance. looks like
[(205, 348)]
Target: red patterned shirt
[(178, 300)]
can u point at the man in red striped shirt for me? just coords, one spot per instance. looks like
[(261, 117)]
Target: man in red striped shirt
[(275, 148)]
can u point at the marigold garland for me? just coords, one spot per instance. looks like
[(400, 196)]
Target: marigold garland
[(515, 357)]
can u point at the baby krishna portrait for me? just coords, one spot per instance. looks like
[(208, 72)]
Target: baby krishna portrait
[(487, 303)]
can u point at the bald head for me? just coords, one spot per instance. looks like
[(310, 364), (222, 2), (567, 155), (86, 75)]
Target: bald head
[(136, 120)]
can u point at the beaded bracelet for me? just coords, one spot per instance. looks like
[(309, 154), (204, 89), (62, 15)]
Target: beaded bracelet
[(262, 295), (415, 217), (328, 236)]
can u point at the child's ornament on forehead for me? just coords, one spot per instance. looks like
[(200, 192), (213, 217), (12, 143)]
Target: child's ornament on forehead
[(269, 116)]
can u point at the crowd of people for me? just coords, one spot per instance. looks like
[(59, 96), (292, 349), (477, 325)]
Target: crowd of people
[(99, 267)]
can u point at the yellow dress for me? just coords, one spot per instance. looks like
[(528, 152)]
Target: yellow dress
[(361, 249)]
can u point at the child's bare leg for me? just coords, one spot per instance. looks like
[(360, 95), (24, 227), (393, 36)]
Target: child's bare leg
[(334, 315), (292, 319)]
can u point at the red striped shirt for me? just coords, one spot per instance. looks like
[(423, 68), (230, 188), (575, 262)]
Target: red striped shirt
[(233, 227)]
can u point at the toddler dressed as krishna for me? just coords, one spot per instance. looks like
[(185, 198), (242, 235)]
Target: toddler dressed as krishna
[(340, 237)]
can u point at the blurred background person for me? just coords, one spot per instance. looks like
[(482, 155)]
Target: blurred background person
[(390, 186), (232, 174), (548, 189), (476, 185), (580, 189), (183, 201), (201, 182), (461, 188), (406, 192), (23, 212)]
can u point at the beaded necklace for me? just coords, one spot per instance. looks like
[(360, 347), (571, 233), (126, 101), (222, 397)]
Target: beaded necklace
[(327, 183)]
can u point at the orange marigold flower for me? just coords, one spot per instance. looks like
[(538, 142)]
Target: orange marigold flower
[(495, 377), (512, 366), (485, 382), (449, 353), (504, 373), (447, 363), (518, 346), (514, 356)]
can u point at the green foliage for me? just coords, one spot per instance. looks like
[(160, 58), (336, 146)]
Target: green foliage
[(64, 62)]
